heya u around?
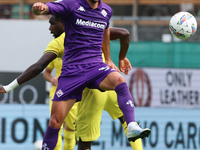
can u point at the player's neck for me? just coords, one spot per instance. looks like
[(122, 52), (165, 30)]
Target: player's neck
[(93, 4)]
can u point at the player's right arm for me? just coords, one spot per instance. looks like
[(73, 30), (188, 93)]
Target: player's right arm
[(40, 9), (30, 72), (59, 8)]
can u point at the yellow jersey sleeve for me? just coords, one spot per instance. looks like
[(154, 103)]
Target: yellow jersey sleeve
[(50, 66), (103, 57), (56, 46)]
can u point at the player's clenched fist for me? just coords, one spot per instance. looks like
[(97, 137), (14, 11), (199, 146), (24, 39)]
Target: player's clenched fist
[(40, 8)]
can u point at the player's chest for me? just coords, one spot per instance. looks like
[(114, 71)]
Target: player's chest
[(90, 18), (58, 63)]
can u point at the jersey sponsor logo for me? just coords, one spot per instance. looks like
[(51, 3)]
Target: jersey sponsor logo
[(45, 146), (58, 1), (130, 103), (104, 13), (59, 93), (81, 8), (95, 24)]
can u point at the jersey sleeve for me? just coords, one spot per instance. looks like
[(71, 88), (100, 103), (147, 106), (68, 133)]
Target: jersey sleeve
[(56, 46), (109, 20), (60, 7), (109, 15), (52, 47), (50, 66)]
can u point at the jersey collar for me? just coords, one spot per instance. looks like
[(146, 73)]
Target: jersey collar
[(86, 5)]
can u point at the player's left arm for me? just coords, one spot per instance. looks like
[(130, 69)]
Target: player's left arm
[(106, 49), (48, 77), (124, 37)]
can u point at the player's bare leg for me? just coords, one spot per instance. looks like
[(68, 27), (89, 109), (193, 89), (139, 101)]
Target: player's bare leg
[(84, 145), (56, 120)]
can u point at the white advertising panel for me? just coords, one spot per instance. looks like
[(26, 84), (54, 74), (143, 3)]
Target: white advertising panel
[(22, 43), (172, 129), (158, 87)]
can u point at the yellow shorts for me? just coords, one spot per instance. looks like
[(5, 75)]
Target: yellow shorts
[(90, 111)]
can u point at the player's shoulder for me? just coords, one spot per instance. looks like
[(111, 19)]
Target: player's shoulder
[(64, 1), (106, 7), (61, 37), (70, 3), (56, 45), (59, 40)]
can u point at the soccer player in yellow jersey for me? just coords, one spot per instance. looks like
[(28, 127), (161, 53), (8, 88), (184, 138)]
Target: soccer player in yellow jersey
[(94, 102), (89, 115)]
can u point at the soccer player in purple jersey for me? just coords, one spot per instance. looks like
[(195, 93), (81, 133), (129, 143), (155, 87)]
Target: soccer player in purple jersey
[(87, 26)]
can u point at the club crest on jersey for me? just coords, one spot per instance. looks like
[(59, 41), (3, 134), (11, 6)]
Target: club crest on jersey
[(59, 93), (81, 8), (130, 103), (104, 13)]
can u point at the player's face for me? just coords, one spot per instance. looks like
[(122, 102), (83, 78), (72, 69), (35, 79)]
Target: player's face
[(56, 26)]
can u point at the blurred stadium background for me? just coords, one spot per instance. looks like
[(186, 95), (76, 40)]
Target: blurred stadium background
[(164, 80)]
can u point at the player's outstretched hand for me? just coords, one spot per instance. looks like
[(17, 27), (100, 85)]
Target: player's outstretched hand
[(2, 90), (40, 8), (125, 66)]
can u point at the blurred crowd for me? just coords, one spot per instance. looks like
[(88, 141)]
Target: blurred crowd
[(24, 12), (13, 11)]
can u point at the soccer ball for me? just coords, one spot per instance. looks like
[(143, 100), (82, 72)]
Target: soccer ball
[(183, 25), (38, 145)]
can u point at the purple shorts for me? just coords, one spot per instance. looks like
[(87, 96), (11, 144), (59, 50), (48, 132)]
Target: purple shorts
[(75, 78)]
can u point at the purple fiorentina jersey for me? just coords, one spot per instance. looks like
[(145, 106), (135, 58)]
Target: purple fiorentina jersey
[(84, 28)]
